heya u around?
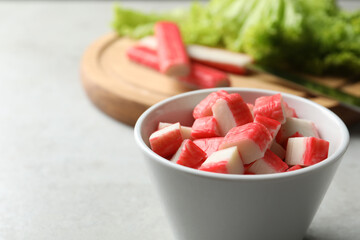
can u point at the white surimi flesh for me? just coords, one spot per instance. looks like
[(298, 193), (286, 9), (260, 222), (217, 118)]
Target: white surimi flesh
[(223, 116), (185, 131), (296, 125), (224, 161)]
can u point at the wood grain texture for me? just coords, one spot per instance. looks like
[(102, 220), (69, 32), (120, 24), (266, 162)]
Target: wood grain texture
[(123, 89)]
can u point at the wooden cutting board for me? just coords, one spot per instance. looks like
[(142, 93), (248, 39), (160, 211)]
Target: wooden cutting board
[(123, 89)]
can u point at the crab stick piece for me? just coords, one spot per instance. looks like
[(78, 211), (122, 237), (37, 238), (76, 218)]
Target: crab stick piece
[(224, 161), (251, 139), (144, 56), (231, 111), (272, 125), (185, 131), (270, 163), (173, 58), (189, 155), (165, 142), (205, 127), (209, 145), (306, 151), (202, 76), (271, 107), (203, 108)]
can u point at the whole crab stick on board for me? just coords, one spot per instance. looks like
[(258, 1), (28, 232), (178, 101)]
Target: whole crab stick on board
[(144, 56), (200, 76), (171, 51), (214, 57)]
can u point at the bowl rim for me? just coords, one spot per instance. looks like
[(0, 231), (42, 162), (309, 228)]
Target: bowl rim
[(153, 156)]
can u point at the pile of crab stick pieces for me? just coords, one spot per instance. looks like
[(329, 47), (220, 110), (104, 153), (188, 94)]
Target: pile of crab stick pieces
[(231, 136), (194, 65)]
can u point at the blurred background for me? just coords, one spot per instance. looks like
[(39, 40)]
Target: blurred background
[(68, 171)]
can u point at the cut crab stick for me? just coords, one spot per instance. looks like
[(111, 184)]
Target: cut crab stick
[(185, 131), (218, 58), (205, 127), (294, 127), (251, 139), (306, 151), (173, 58), (144, 56), (203, 108), (272, 125), (224, 161), (295, 135), (231, 111), (271, 107), (189, 155), (209, 145), (270, 163), (165, 142), (202, 76)]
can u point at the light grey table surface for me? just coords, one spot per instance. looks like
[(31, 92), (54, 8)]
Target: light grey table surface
[(67, 171)]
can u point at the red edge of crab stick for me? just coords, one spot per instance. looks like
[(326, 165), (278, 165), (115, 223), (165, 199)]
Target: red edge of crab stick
[(218, 58), (200, 77), (173, 58)]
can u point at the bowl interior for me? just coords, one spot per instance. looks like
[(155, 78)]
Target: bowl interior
[(179, 109)]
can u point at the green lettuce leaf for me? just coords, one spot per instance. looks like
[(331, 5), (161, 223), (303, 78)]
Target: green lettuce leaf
[(310, 36)]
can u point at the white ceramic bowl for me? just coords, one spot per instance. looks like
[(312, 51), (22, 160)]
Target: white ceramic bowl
[(210, 206)]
